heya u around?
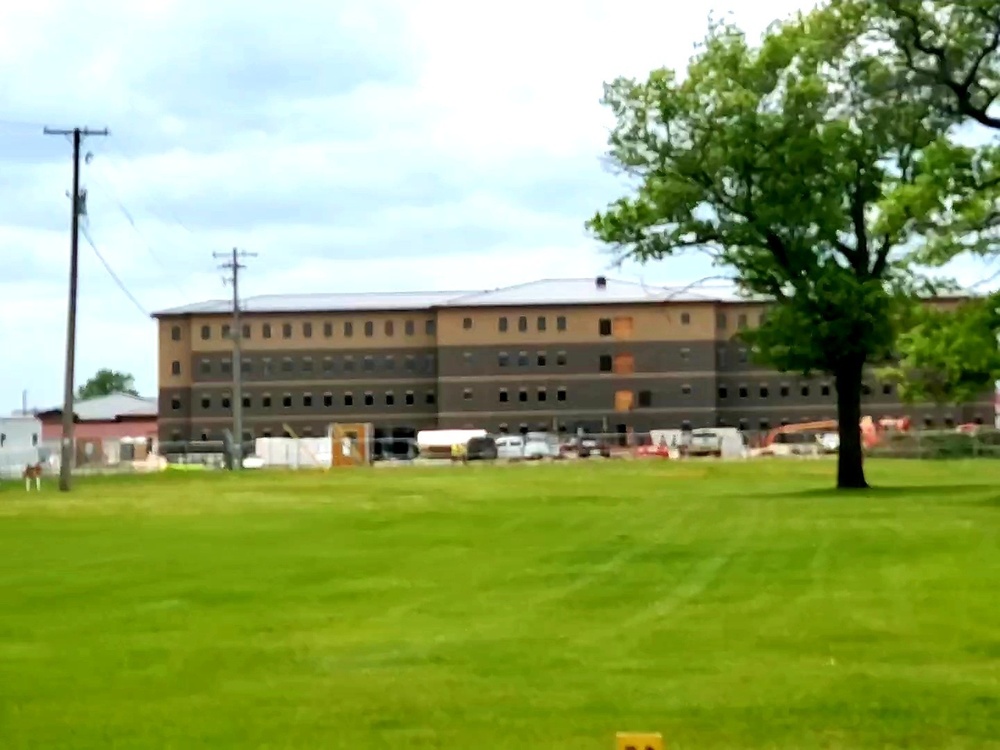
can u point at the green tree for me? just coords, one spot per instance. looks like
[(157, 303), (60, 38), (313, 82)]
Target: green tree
[(949, 53), (948, 357), (106, 382), (797, 166)]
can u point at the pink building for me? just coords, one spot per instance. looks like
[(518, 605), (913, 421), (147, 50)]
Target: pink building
[(113, 417)]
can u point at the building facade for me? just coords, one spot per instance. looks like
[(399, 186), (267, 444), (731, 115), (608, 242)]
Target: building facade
[(597, 354)]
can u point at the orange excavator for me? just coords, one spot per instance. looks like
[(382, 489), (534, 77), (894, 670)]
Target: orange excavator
[(871, 430)]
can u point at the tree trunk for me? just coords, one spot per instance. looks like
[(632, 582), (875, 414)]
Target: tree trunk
[(850, 459)]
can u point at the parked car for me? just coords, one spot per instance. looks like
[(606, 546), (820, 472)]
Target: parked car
[(539, 445), (510, 447), (584, 447), (481, 449), (705, 443)]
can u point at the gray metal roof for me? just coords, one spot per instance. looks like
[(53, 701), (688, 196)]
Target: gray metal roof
[(535, 293), (115, 405)]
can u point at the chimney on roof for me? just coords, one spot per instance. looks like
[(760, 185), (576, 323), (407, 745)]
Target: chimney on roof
[(601, 282)]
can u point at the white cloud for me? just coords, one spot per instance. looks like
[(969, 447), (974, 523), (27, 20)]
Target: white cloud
[(354, 146)]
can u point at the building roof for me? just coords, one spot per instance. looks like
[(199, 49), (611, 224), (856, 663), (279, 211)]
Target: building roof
[(535, 293), (113, 407)]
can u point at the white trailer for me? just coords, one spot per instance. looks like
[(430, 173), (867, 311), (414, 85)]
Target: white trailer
[(20, 438)]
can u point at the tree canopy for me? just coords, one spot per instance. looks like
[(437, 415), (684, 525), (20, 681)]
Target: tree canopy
[(801, 167), (105, 382)]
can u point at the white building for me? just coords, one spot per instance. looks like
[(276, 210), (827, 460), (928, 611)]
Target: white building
[(20, 439)]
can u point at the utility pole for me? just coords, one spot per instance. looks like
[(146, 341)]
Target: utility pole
[(66, 448), (234, 266)]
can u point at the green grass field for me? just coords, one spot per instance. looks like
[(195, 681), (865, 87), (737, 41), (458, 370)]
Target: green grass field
[(726, 606)]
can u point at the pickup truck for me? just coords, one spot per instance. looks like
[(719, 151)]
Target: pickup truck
[(705, 443)]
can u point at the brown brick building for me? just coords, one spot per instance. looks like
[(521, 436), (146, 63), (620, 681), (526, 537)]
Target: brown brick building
[(600, 354)]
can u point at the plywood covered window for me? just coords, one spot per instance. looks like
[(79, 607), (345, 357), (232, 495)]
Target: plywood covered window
[(623, 400), (624, 364), (623, 327)]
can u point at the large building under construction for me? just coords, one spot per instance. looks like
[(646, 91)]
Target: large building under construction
[(556, 354)]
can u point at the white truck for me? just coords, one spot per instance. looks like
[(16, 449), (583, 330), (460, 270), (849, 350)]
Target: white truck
[(20, 440)]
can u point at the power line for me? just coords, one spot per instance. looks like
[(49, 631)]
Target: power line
[(234, 266), (112, 274), (66, 453)]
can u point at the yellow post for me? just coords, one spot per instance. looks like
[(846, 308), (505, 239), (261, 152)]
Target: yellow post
[(639, 741)]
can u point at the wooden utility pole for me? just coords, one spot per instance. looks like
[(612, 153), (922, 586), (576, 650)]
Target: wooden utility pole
[(234, 266), (66, 448)]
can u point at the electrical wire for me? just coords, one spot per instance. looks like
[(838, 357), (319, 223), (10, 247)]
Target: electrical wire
[(111, 272)]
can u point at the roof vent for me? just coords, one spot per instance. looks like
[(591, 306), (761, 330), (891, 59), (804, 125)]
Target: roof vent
[(601, 282)]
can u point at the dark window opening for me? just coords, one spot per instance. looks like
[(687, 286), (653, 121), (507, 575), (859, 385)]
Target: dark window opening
[(348, 399), (175, 333), (604, 327), (522, 324), (286, 330), (606, 363), (645, 399), (522, 395), (561, 394), (467, 324), (369, 328), (369, 399)]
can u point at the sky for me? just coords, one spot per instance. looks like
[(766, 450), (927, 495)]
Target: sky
[(355, 146)]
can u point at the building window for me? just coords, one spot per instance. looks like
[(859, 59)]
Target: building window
[(685, 354), (226, 366), (175, 368), (175, 403), (247, 403), (542, 394), (522, 359), (645, 399), (467, 394), (327, 399), (287, 365), (429, 327), (743, 355), (206, 402), (522, 395), (685, 318), (227, 401), (723, 391), (286, 401), (369, 328), (541, 323), (265, 401), (686, 390), (502, 396), (522, 323), (468, 359), (410, 398), (765, 424), (286, 330), (561, 359), (541, 359), (824, 390), (467, 324), (866, 390), (561, 323), (390, 362), (246, 330), (764, 392), (503, 359), (389, 328), (720, 321), (805, 391), (328, 330), (741, 321), (410, 363), (328, 365), (206, 333), (430, 398), (429, 363), (246, 366), (307, 364), (205, 367), (409, 328), (369, 398), (606, 363), (561, 394), (175, 333), (744, 392), (604, 326), (886, 389), (390, 398), (348, 399), (348, 329), (265, 330), (368, 364), (502, 324), (784, 391), (348, 364)]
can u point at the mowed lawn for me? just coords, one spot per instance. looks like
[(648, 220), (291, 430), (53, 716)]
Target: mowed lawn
[(726, 606)]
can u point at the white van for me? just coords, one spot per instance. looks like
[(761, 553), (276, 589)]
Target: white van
[(510, 447)]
